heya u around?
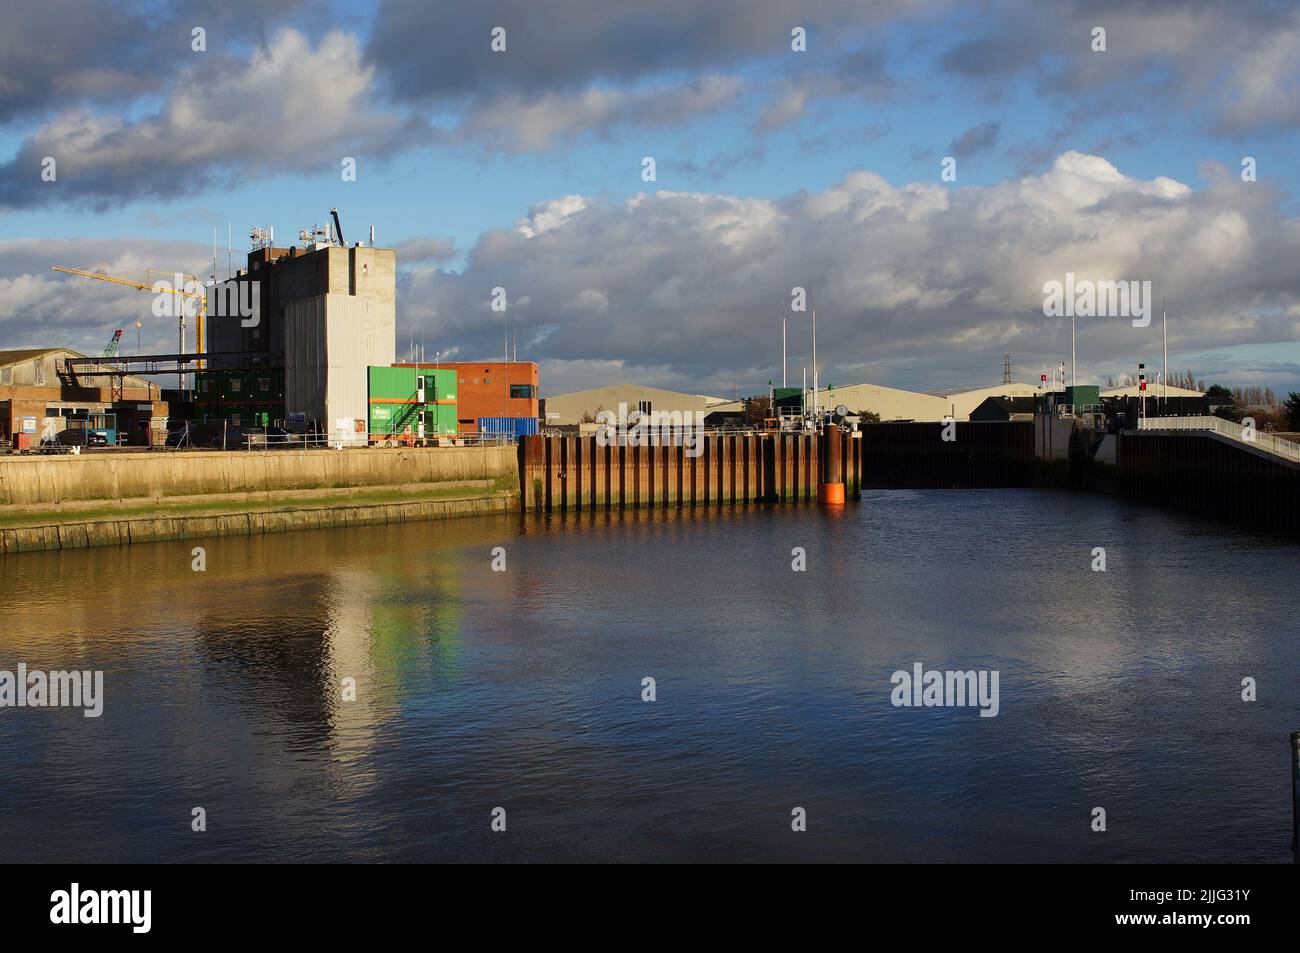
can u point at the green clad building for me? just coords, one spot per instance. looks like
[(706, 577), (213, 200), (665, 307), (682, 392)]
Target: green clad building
[(402, 398)]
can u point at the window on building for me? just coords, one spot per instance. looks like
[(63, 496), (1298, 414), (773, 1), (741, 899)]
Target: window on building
[(235, 383), (522, 392), (264, 384), (643, 406)]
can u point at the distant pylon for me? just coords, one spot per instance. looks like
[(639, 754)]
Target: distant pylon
[(1006, 368)]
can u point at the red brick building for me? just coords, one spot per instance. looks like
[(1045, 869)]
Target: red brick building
[(33, 400), (489, 389)]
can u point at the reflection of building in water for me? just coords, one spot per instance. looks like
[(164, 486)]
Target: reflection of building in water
[(415, 619), (390, 623), (273, 635)]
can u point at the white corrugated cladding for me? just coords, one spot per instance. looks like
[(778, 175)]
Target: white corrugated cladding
[(347, 384), (325, 358)]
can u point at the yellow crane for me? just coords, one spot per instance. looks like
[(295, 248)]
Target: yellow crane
[(200, 296)]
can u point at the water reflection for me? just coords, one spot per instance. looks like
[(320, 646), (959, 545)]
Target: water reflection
[(474, 688)]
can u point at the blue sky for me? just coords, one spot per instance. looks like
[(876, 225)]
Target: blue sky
[(817, 168)]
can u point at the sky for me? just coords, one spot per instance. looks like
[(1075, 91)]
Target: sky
[(794, 145)]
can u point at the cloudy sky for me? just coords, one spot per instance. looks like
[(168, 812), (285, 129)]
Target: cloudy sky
[(773, 168)]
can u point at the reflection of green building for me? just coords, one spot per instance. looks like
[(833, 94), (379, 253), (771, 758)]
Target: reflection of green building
[(406, 397), (416, 609)]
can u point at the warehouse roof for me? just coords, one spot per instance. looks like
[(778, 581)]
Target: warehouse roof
[(18, 355)]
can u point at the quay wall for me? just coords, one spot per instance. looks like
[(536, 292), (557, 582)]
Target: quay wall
[(80, 534), (101, 499), (43, 480), (1210, 474), (915, 455)]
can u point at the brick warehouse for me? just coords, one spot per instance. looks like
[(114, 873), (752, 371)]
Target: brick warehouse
[(33, 400), (490, 391)]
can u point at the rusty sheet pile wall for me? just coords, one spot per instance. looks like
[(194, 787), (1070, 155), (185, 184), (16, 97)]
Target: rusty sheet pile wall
[(561, 474)]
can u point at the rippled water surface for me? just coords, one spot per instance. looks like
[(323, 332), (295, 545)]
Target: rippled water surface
[(522, 689)]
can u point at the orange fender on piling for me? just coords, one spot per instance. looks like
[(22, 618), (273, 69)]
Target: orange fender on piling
[(831, 494)]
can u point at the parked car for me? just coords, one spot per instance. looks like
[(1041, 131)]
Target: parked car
[(233, 438), (81, 437)]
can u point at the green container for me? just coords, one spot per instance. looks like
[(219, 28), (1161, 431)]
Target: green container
[(788, 397), (394, 404), (1085, 395)]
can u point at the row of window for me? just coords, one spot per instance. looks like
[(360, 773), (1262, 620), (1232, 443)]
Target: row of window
[(263, 384)]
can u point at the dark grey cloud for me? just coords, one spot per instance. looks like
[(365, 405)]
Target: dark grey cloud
[(224, 118), (57, 53), (1237, 64), (975, 140), (71, 71), (439, 50)]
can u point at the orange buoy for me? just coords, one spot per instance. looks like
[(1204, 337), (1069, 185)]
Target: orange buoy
[(831, 493)]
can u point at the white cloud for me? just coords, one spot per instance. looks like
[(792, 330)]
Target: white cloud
[(914, 277)]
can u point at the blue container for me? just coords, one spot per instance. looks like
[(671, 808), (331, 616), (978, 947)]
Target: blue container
[(510, 426)]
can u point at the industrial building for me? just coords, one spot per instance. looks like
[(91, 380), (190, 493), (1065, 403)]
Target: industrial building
[(288, 279), (1153, 390), (305, 337), (1002, 409), (325, 314), (890, 403), (959, 404), (895, 404), (493, 396), (37, 401), (583, 405)]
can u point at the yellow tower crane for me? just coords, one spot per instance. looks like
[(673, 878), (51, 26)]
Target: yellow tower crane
[(161, 286)]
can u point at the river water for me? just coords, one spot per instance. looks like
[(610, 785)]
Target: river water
[(523, 689)]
